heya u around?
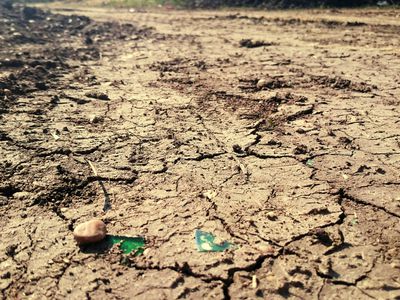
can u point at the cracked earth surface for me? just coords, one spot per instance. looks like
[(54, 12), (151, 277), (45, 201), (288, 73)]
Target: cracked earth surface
[(301, 173)]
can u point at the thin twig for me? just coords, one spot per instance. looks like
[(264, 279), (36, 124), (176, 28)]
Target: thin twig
[(107, 202), (93, 168)]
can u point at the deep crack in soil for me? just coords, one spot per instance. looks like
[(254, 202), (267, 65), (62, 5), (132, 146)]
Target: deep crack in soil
[(277, 131)]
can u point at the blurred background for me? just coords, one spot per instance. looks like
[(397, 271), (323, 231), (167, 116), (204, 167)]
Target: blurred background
[(279, 4)]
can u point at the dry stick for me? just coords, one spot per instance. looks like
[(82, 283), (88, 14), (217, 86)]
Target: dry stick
[(107, 203), (254, 281), (93, 168)]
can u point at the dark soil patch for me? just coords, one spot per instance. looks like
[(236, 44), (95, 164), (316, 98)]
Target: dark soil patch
[(31, 68)]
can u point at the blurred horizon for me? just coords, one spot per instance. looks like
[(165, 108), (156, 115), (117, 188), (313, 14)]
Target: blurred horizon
[(280, 4)]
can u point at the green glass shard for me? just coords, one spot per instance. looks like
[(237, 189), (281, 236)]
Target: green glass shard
[(354, 221), (127, 244), (207, 242), (310, 163)]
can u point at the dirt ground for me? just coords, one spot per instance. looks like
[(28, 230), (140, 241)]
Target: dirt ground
[(277, 131)]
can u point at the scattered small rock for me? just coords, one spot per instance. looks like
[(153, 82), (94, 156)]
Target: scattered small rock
[(30, 13), (273, 143), (90, 232), (11, 250), (344, 140), (96, 119), (301, 149), (273, 83), (55, 100), (265, 249), (362, 168), (89, 40), (237, 149), (300, 131), (249, 43), (322, 236), (261, 83), (97, 95), (3, 200), (319, 211), (125, 261), (41, 85), (380, 171), (6, 275), (395, 265), (66, 260), (7, 92), (272, 216), (22, 195)]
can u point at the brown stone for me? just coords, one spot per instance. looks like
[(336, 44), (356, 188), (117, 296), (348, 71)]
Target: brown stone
[(90, 232)]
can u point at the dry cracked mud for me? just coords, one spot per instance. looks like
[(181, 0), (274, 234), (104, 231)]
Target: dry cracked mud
[(299, 170)]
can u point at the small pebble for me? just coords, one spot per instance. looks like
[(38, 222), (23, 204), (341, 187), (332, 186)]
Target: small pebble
[(96, 119), (300, 130), (272, 216), (90, 232), (261, 83), (6, 275), (97, 95), (265, 249), (21, 195), (395, 265)]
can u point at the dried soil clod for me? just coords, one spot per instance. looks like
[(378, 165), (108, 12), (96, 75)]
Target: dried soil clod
[(272, 216), (97, 95), (96, 119), (90, 232), (261, 83), (248, 43)]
